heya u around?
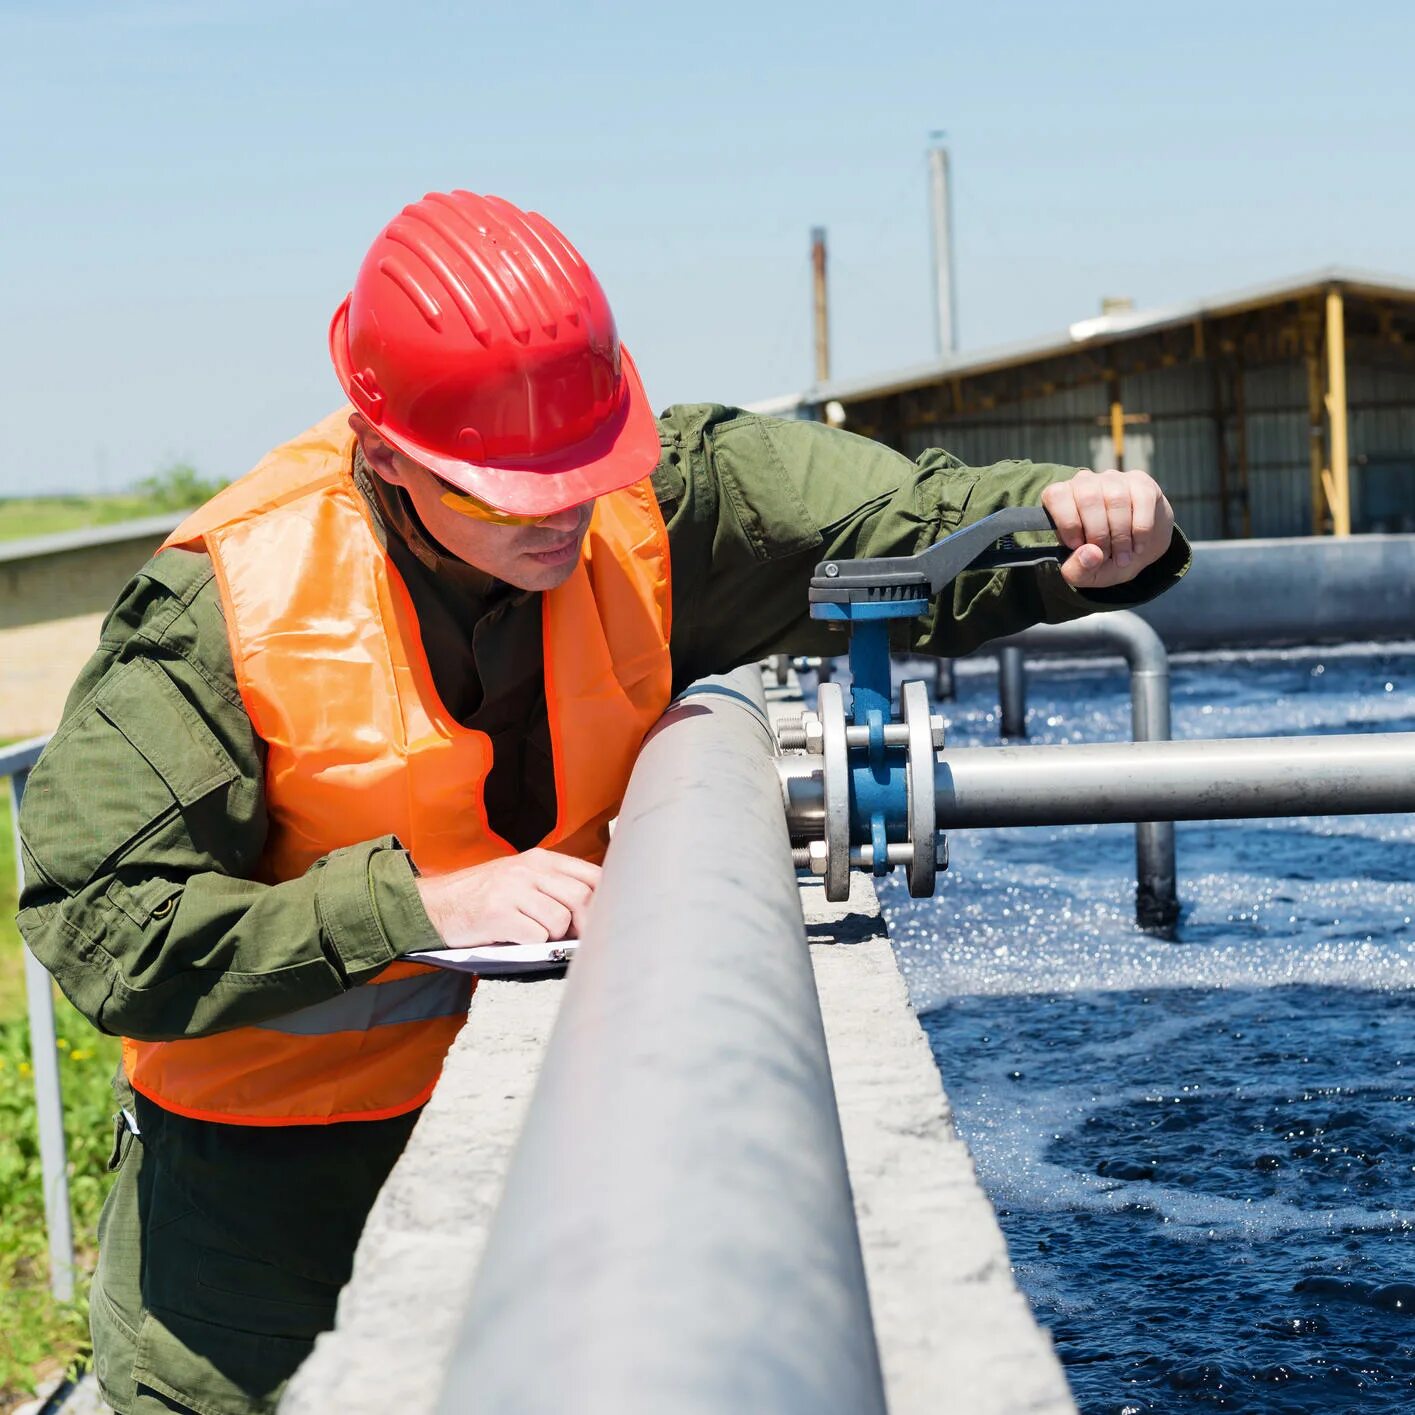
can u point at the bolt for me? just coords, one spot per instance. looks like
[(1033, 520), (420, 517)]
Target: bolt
[(832, 571)]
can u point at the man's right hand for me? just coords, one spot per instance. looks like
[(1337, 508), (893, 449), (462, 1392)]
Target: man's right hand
[(535, 897)]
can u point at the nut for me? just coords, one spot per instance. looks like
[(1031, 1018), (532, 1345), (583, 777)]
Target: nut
[(819, 857), (814, 733), (936, 728)]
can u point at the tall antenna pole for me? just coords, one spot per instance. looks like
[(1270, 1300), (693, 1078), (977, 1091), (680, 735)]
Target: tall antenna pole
[(822, 313), (941, 214)]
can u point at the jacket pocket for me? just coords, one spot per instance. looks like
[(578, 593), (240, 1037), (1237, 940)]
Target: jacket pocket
[(135, 754), (756, 485)]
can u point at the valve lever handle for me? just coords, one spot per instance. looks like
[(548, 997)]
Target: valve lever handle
[(989, 544)]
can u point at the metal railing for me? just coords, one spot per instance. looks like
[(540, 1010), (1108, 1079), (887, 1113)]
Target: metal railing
[(15, 763), (676, 1230)]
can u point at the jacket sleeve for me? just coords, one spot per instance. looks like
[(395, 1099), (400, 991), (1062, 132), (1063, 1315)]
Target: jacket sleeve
[(144, 820), (754, 503)]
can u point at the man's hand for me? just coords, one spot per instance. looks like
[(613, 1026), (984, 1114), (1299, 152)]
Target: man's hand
[(1118, 523), (535, 897)]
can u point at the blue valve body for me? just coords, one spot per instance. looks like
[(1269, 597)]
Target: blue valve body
[(879, 795)]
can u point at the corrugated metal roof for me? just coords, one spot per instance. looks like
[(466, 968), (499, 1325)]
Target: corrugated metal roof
[(1102, 329)]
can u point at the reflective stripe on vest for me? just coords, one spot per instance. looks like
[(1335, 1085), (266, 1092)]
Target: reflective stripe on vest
[(436, 993), (332, 672)]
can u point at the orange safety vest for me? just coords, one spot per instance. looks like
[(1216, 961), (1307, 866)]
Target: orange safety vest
[(333, 673)]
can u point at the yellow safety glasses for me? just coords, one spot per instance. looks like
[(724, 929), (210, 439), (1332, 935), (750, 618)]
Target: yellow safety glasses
[(476, 509)]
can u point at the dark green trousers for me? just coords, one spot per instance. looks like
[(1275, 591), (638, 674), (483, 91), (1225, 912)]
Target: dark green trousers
[(221, 1253)]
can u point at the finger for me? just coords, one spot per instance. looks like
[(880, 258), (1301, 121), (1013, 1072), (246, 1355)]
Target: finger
[(552, 862), (1115, 496), (523, 928), (1059, 502), (576, 896), (1090, 502), (1144, 505), (1079, 570), (549, 913)]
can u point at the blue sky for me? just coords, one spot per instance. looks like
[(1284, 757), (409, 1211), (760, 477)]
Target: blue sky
[(189, 188)]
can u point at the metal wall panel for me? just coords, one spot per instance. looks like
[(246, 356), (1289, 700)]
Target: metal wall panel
[(1180, 438)]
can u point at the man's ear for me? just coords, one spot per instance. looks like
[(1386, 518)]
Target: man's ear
[(379, 454)]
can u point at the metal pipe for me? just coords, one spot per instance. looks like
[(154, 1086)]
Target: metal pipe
[(1301, 590), (944, 688), (1339, 491), (1242, 778), (1012, 692), (941, 221), (1156, 876), (819, 305), (1120, 782), (44, 1058), (677, 1231)]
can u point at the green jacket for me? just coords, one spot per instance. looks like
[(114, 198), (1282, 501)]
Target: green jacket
[(144, 819)]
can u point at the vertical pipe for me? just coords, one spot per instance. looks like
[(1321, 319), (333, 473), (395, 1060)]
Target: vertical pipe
[(1316, 430), (941, 213), (1225, 511), (1336, 414), (1240, 417), (944, 688), (1012, 691), (1117, 424), (819, 304), (1156, 884), (48, 1098)]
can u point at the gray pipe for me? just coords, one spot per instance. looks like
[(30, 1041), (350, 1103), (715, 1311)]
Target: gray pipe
[(1224, 779), (944, 688), (1156, 876), (1012, 692), (1303, 590), (677, 1231), (1118, 782)]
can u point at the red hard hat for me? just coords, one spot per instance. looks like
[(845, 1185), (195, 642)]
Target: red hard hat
[(477, 341)]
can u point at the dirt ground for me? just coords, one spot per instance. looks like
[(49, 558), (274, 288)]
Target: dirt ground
[(38, 664)]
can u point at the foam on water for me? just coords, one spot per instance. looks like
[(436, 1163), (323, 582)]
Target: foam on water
[(1202, 1152)]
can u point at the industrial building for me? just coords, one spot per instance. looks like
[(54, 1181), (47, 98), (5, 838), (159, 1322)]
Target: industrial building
[(1285, 409)]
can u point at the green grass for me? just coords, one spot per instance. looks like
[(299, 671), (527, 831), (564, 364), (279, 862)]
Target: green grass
[(172, 489), (40, 1336), (22, 517)]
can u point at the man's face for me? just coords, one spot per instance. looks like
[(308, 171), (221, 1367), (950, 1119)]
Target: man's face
[(534, 557)]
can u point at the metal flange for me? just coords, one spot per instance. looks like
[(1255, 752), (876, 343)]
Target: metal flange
[(919, 783), (835, 780)]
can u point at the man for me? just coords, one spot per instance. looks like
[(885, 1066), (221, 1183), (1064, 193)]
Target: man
[(384, 694)]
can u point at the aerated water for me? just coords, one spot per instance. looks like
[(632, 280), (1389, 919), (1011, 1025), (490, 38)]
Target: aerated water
[(1202, 1152)]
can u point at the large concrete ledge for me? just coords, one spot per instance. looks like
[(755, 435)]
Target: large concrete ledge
[(954, 1332)]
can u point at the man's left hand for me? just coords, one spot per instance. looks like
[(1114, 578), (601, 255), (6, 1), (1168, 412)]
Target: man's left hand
[(1117, 523)]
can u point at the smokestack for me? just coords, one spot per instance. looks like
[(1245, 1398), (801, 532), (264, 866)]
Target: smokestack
[(941, 213), (822, 313)]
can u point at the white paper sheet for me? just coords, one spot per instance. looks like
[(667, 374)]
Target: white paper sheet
[(500, 959)]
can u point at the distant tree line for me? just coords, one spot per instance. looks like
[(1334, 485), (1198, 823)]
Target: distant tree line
[(177, 486)]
